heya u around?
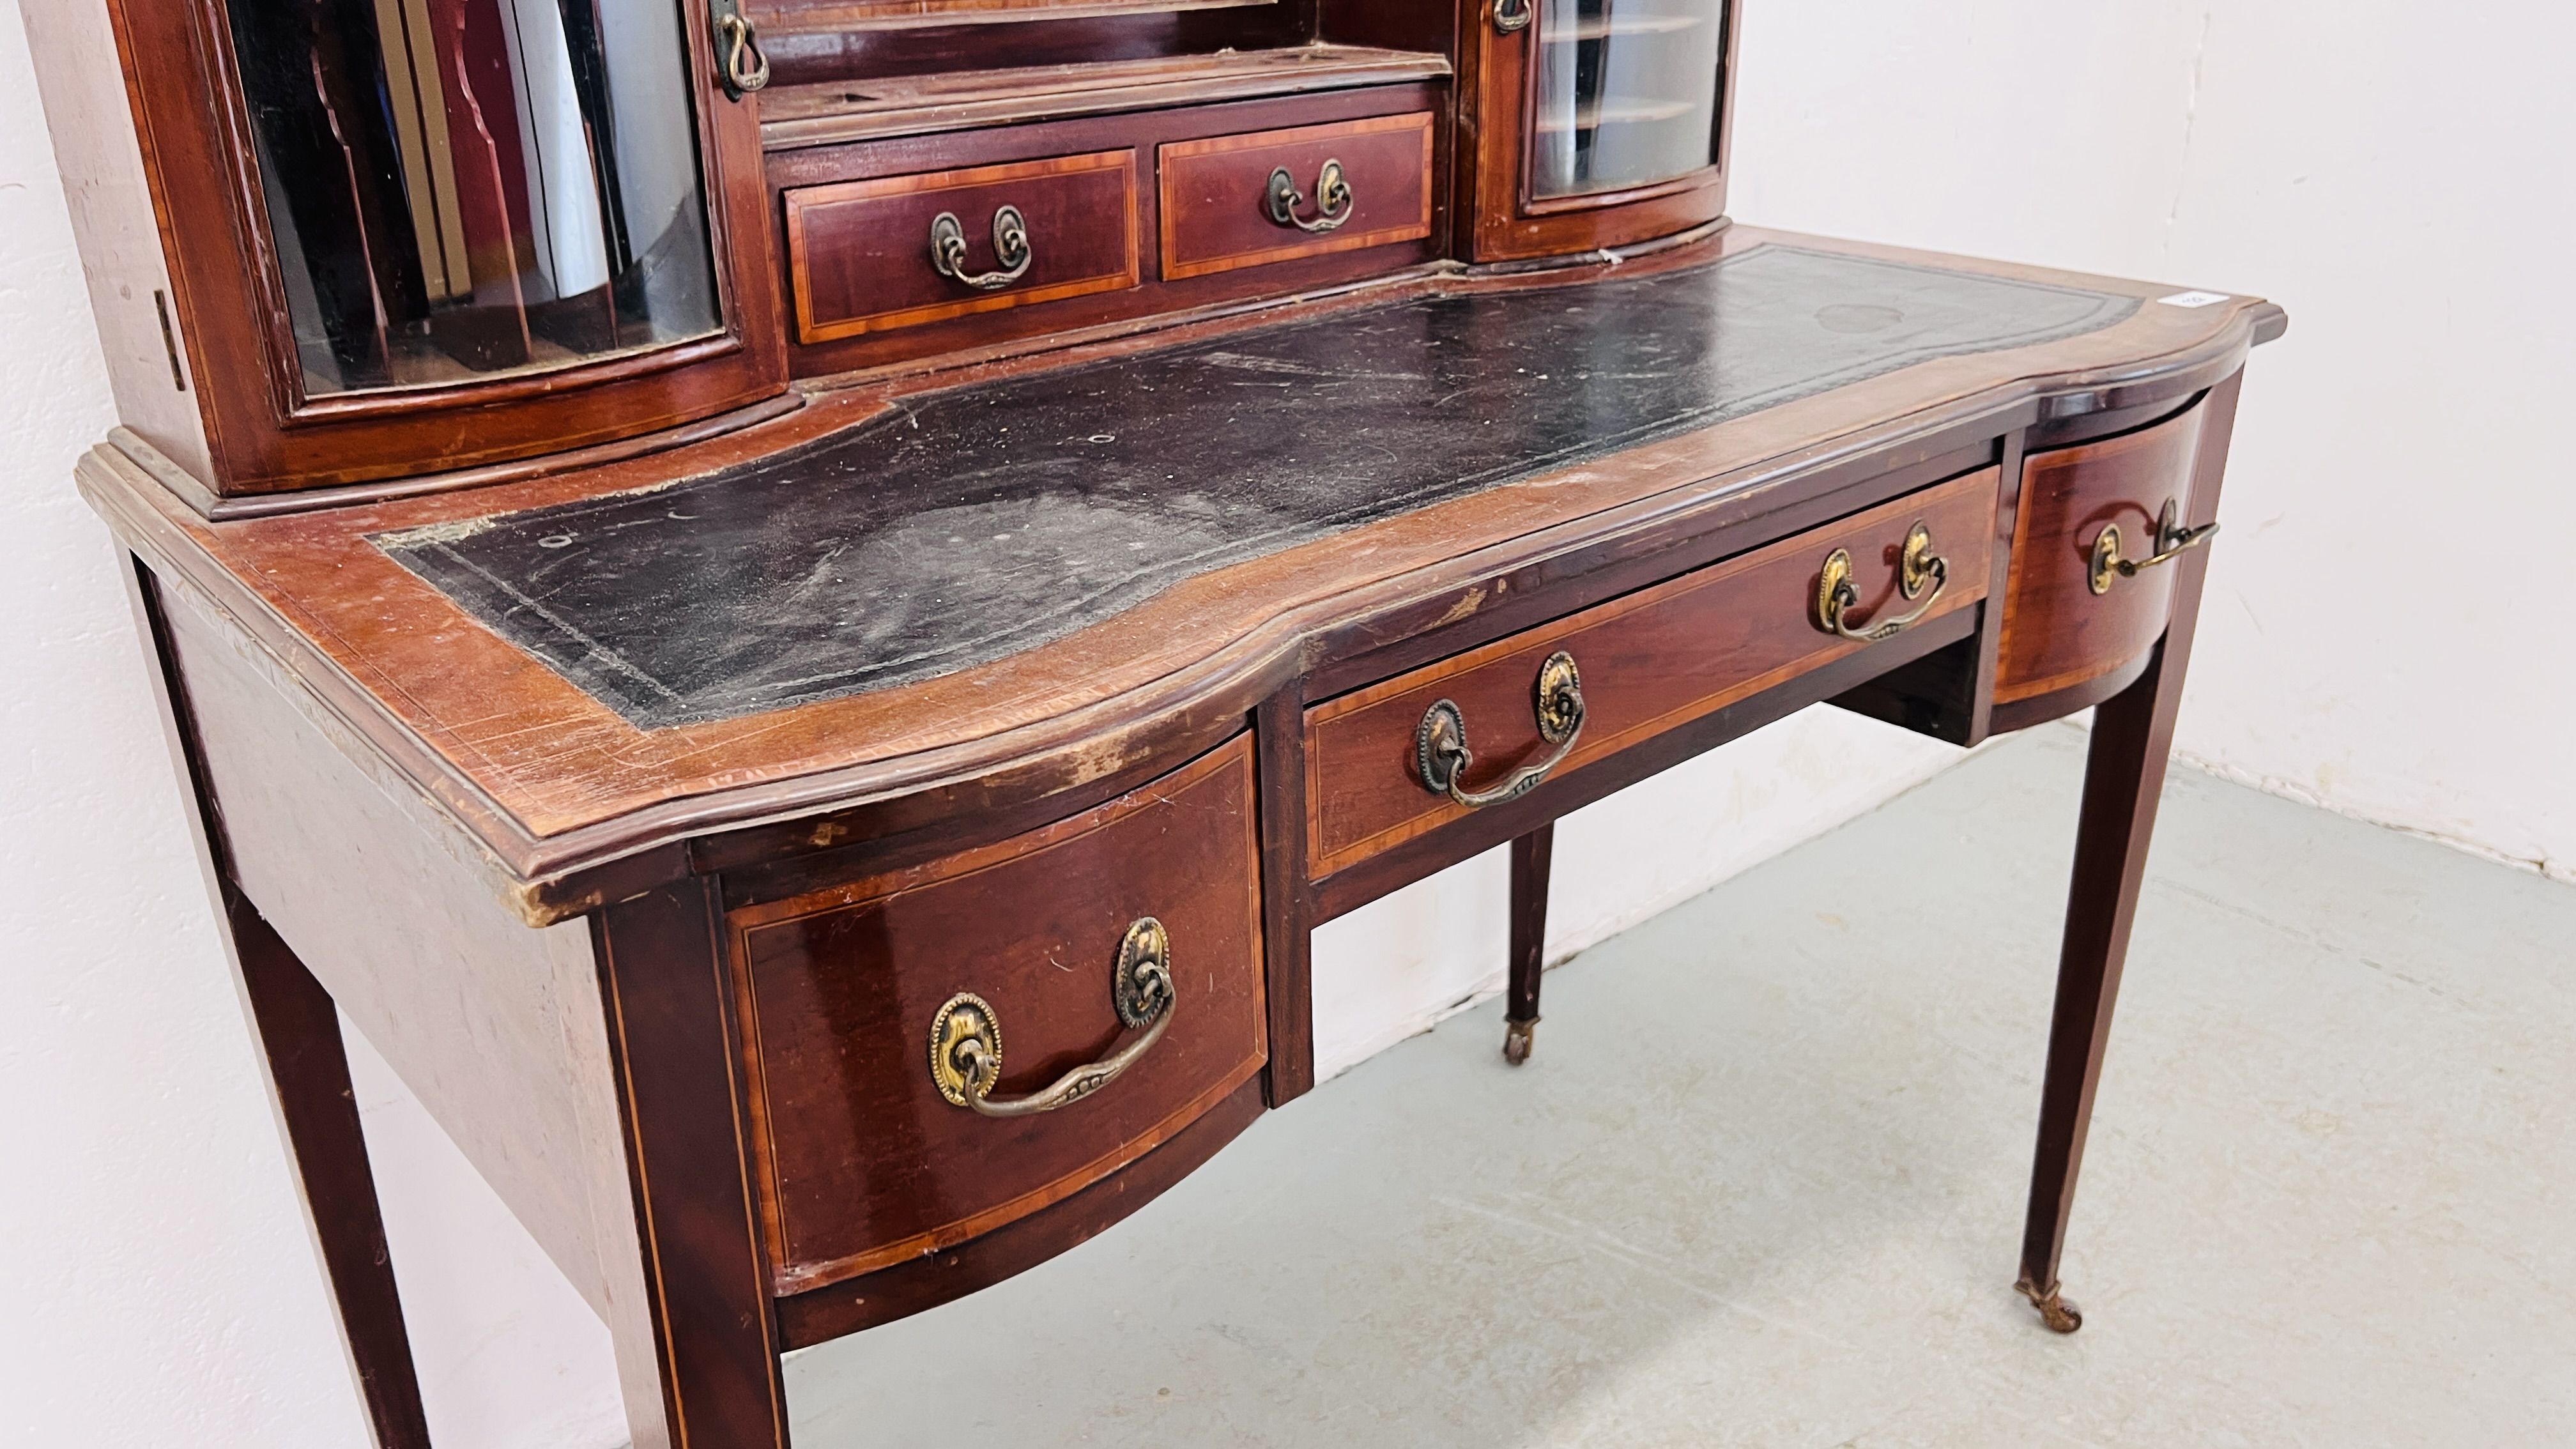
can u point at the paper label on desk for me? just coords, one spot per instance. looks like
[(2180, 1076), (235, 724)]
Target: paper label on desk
[(2193, 299)]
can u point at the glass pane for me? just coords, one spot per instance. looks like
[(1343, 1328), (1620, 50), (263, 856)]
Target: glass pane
[(1627, 92), (463, 188)]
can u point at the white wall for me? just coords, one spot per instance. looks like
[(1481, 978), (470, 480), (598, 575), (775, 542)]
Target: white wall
[(2382, 634), (2376, 640), (157, 1284)]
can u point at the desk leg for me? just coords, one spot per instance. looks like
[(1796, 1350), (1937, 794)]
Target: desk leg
[(2124, 775), (1531, 857), (711, 1332), (308, 1068), (298, 1027)]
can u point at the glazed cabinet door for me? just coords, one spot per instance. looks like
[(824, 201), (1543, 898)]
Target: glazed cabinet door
[(1602, 123), (411, 237)]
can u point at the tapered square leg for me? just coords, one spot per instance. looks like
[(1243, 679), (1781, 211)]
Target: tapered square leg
[(308, 1069), (2124, 775), (1530, 861), (712, 1333), (307, 1065)]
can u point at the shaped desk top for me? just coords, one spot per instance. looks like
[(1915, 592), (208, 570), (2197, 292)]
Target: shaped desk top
[(996, 517), (887, 595)]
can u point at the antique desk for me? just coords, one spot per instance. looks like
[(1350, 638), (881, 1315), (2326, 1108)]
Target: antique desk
[(798, 608)]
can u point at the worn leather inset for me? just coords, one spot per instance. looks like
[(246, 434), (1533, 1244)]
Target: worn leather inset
[(980, 521)]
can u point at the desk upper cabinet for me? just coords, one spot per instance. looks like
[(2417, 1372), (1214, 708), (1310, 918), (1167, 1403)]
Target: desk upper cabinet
[(426, 236), (1600, 125)]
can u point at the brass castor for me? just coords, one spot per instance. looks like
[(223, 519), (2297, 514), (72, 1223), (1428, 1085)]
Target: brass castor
[(2060, 1315), (1516, 1040)]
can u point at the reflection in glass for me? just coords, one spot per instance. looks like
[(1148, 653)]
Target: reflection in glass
[(457, 188), (1627, 92)]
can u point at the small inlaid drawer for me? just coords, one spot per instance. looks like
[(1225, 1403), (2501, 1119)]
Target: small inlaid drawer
[(1109, 963), (900, 251), (2091, 586), (1396, 760), (1269, 196)]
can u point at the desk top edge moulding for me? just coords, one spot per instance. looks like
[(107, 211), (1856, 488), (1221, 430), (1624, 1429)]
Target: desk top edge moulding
[(688, 542)]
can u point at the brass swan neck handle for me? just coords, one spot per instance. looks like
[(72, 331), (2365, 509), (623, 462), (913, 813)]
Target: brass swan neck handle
[(1837, 595), (2172, 542), (966, 1033), (1440, 742), (1010, 247), (1333, 200)]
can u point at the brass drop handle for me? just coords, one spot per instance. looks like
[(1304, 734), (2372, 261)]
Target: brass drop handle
[(740, 63), (1511, 15), (1917, 565), (966, 1034), (2172, 542), (1440, 741), (1333, 201), (1010, 248)]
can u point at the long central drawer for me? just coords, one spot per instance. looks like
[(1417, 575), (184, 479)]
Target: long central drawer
[(1647, 662)]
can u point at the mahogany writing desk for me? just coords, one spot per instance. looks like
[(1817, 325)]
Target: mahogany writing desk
[(823, 846), (1042, 716)]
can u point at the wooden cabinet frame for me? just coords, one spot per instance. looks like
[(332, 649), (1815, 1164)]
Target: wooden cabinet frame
[(229, 311), (1497, 82)]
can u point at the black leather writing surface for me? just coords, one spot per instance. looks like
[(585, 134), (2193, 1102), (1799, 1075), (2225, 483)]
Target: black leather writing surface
[(985, 520)]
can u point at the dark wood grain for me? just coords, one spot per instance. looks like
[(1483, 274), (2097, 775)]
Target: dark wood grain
[(2021, 714), (308, 1069), (1214, 192), (1649, 662), (835, 112), (821, 1314), (797, 857), (1145, 132), (807, 42), (1287, 940), (2056, 632), (1557, 582), (1479, 831), (863, 1164), (681, 1097), (858, 252), (1427, 25), (2124, 775), (1532, 855)]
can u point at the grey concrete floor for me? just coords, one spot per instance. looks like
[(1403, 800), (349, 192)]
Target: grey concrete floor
[(1762, 1183)]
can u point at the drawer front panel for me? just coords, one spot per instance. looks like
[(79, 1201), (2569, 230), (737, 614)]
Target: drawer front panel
[(2058, 633), (1216, 213), (859, 252), (1648, 662), (866, 1163)]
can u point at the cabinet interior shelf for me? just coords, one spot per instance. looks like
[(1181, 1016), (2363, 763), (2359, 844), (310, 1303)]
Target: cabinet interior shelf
[(1614, 111), (1602, 29)]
